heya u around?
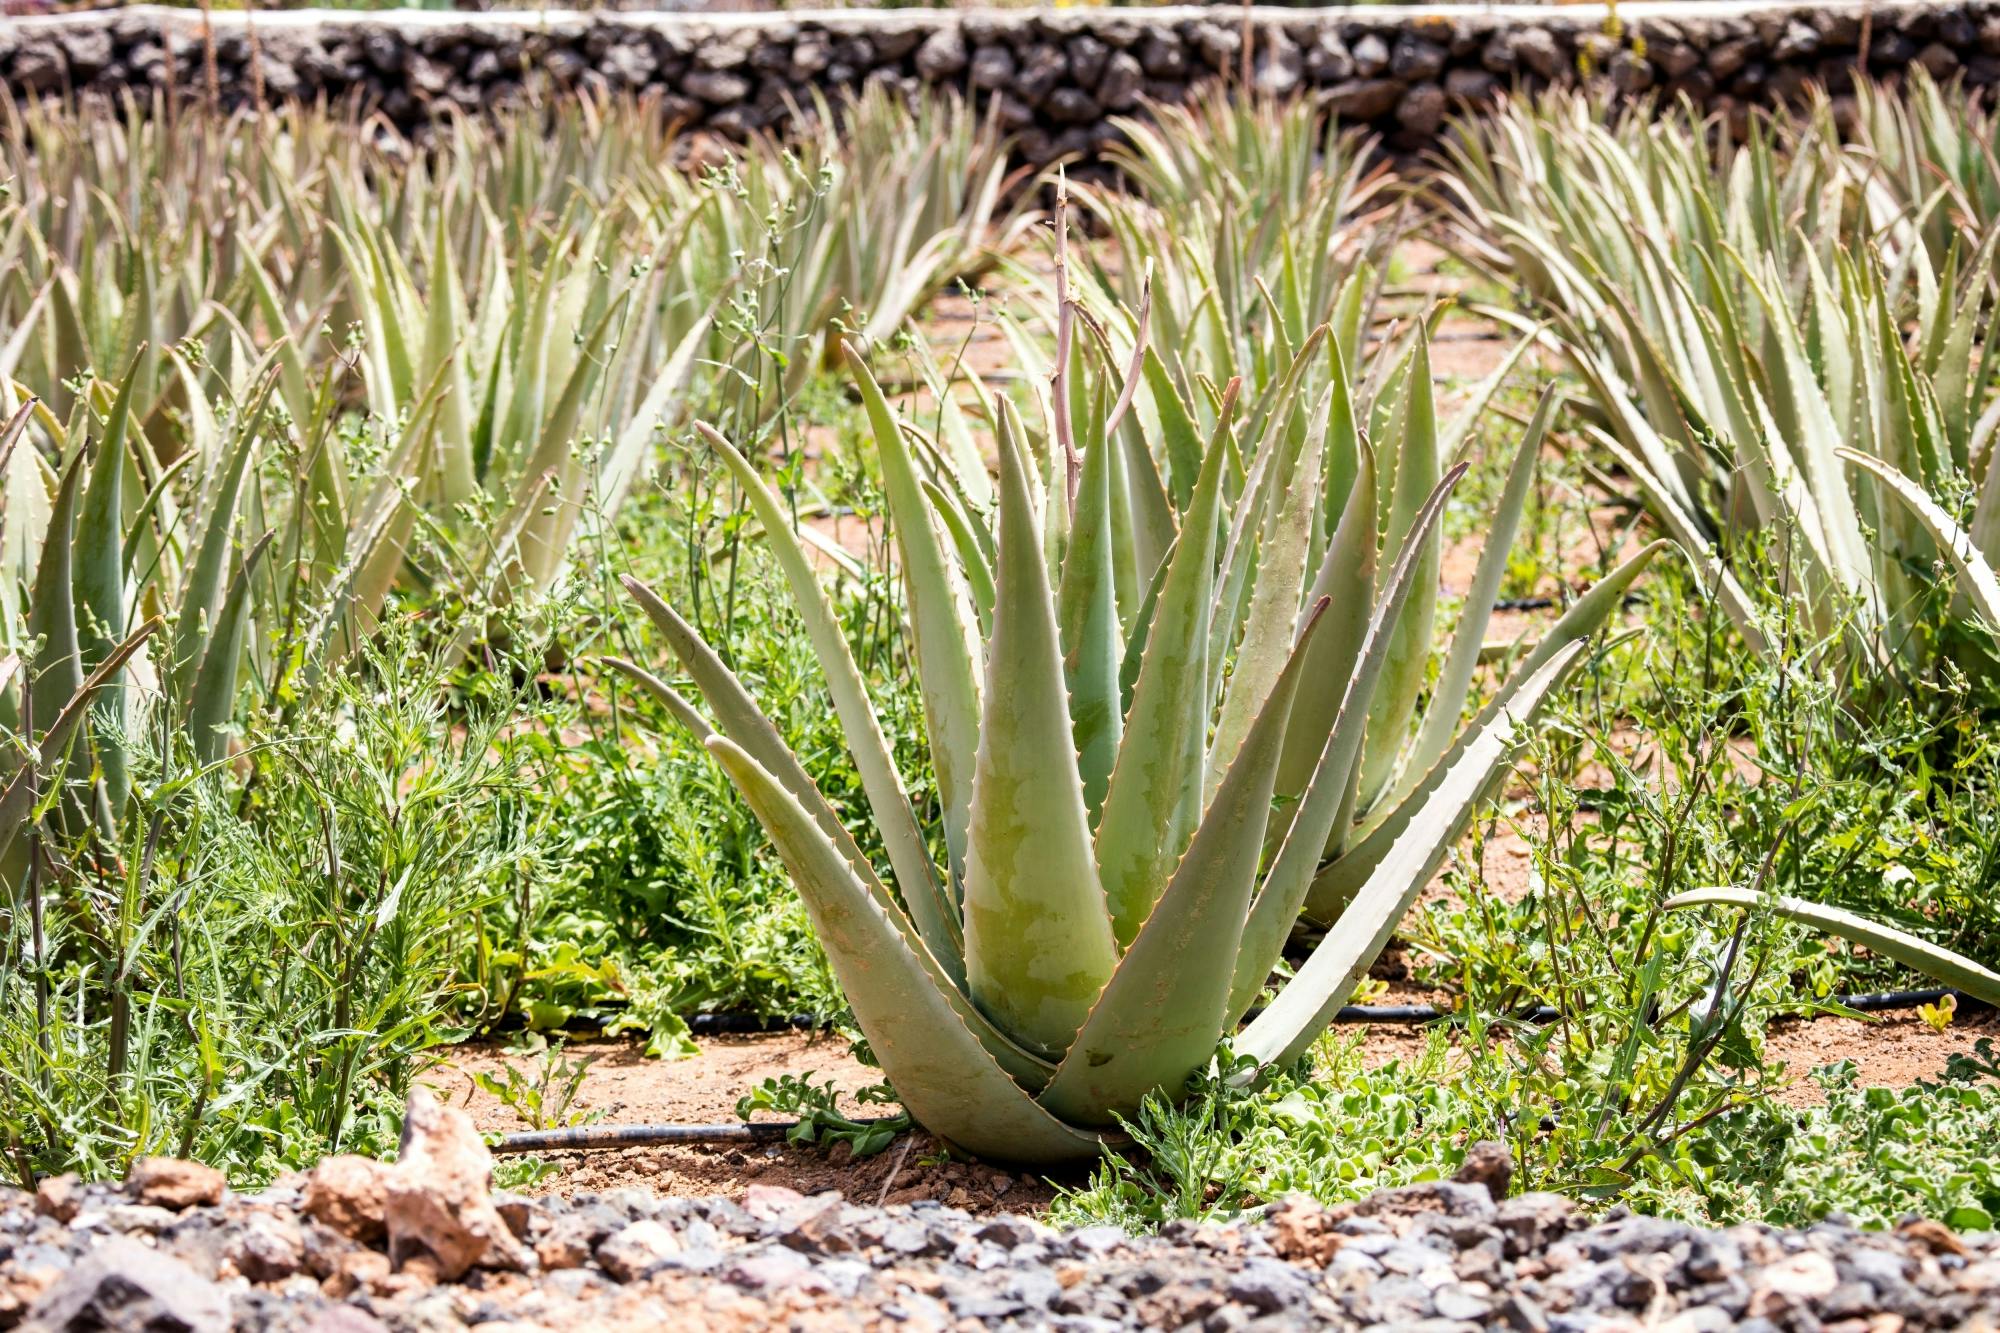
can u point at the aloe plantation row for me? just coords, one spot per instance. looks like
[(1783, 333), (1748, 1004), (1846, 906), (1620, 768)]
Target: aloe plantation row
[(434, 606)]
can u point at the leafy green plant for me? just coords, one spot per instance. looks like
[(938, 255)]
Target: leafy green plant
[(1013, 999), (820, 1120), (542, 1098)]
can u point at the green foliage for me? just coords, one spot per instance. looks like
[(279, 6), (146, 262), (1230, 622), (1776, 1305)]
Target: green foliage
[(820, 1121)]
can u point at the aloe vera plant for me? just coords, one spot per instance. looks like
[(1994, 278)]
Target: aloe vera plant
[(1149, 749), (1731, 358)]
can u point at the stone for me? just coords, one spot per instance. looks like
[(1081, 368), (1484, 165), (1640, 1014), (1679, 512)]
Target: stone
[(1278, 65), (1371, 56), (716, 87), (1041, 69), (809, 55), (1726, 58), (40, 67), (1327, 58), (1087, 56), (992, 68), (89, 51), (1804, 1275), (942, 55), (438, 1202), (1219, 46), (1123, 78), (1529, 1222), (349, 1194), (1472, 87), (1415, 59), (1536, 50), (59, 1197), (1071, 106), (1162, 56), (1421, 110), (1364, 99), (629, 66), (637, 1250), (1487, 1162), (123, 1284), (173, 1183), (266, 1247)]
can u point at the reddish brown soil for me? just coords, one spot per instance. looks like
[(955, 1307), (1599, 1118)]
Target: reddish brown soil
[(630, 1089)]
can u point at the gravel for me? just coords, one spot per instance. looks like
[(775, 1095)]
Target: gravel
[(1439, 1257)]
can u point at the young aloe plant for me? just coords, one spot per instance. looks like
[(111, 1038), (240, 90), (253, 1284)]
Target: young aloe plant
[(1122, 864)]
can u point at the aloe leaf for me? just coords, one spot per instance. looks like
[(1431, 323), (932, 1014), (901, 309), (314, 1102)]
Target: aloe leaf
[(746, 727), (1447, 702), (1154, 798), (58, 667), (942, 1073), (675, 702), (214, 699), (1087, 618), (1410, 454), (1163, 1011), (929, 905), (941, 618), (1301, 1011), (99, 585), (1935, 961), (1038, 943), (1981, 586), (1337, 881), (972, 556), (17, 798), (1327, 805), (1271, 628), (201, 600)]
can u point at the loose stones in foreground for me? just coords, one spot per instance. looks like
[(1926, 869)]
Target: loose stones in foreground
[(357, 1247)]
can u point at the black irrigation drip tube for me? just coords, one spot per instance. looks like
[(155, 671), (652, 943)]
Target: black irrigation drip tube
[(774, 1131), (1877, 1002)]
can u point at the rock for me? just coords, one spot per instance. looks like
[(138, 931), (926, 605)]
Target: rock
[(125, 1285), (1041, 69), (59, 1196), (809, 55), (1529, 1222), (992, 68), (1086, 58), (1219, 45), (1537, 50), (40, 67), (1415, 59), (1364, 99), (1804, 1275), (942, 55), (1278, 65), (637, 1250), (1371, 56), (1487, 1162), (267, 1247), (438, 1202), (1122, 81), (168, 1182), (1422, 109), (350, 1195), (89, 51), (1327, 59), (716, 87), (1162, 56)]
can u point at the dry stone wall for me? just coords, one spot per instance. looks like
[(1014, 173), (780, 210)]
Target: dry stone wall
[(1056, 78)]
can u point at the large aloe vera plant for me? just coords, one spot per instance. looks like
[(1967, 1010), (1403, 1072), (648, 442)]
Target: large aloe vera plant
[(1148, 720)]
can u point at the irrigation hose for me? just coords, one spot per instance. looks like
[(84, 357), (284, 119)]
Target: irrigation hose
[(773, 1131), (1875, 1003)]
